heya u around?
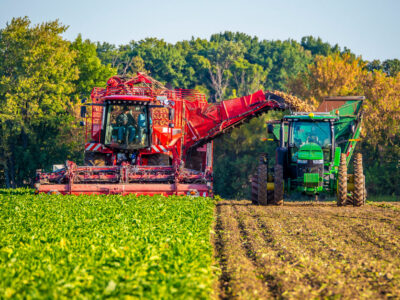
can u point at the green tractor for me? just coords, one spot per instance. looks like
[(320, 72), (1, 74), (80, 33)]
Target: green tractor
[(313, 155)]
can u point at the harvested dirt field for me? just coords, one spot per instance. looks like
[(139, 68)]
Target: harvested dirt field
[(307, 250)]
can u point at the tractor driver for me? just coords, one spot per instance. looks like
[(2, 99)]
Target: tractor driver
[(126, 125), (313, 136)]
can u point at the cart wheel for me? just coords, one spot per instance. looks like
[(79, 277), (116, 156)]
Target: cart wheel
[(342, 182)]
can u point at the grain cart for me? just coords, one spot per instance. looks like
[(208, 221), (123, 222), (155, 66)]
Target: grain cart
[(143, 138), (313, 155)]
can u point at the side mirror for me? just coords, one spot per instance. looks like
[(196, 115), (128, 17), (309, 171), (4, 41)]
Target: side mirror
[(270, 128), (83, 111)]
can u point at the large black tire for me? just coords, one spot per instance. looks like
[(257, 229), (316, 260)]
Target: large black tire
[(262, 197), (254, 189), (278, 185), (95, 159), (359, 181), (158, 160), (342, 182)]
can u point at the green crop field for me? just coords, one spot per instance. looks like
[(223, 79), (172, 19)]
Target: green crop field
[(105, 246)]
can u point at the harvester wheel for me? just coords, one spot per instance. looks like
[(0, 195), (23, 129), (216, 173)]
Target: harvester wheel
[(262, 184), (278, 185), (359, 181), (342, 181)]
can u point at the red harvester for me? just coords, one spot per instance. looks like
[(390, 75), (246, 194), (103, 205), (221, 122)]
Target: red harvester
[(146, 139)]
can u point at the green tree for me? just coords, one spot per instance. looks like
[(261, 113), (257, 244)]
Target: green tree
[(247, 78), (317, 47), (390, 67), (91, 71), (282, 60), (37, 70), (107, 53), (216, 62)]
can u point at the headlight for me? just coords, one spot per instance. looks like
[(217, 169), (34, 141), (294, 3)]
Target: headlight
[(318, 161), (301, 161)]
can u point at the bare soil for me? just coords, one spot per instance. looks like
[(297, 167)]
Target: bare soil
[(307, 250)]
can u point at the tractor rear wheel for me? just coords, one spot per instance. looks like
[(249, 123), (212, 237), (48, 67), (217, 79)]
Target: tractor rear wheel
[(342, 181), (262, 195), (278, 185), (359, 181)]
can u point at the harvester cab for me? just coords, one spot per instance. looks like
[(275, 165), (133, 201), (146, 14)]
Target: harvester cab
[(127, 126), (313, 155)]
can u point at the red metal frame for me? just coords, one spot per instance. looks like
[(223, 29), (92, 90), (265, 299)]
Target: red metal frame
[(195, 123)]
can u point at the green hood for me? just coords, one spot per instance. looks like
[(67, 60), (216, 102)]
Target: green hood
[(310, 151)]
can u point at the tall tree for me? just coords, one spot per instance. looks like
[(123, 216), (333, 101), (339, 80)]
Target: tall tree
[(246, 77), (317, 47), (282, 60), (390, 67), (37, 73), (91, 71), (217, 61), (337, 74)]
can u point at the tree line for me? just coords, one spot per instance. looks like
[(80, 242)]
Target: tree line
[(43, 78)]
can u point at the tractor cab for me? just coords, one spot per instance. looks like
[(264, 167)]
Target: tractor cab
[(127, 125), (310, 148), (310, 137)]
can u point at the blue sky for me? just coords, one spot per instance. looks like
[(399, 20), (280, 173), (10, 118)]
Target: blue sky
[(369, 28)]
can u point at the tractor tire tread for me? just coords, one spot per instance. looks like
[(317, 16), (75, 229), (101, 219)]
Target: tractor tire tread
[(342, 181), (359, 181), (262, 195)]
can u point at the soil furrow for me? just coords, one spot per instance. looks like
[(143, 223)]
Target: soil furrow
[(273, 283), (316, 250), (313, 251), (224, 278), (243, 280)]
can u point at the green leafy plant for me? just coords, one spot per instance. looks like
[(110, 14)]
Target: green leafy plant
[(105, 246)]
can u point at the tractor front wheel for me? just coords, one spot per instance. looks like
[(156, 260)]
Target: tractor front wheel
[(342, 181), (254, 188), (262, 194), (278, 185), (359, 181)]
